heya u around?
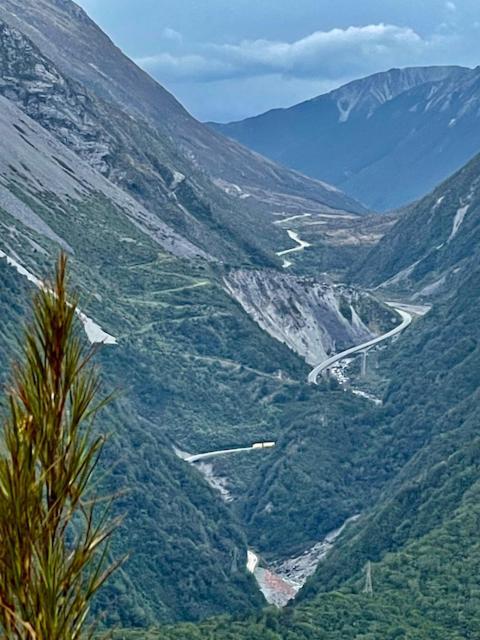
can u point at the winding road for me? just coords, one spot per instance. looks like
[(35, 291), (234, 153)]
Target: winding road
[(326, 364), (301, 244), (405, 311)]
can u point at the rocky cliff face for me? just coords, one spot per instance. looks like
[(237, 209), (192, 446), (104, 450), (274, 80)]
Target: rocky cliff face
[(314, 319), (129, 152), (38, 173), (36, 86)]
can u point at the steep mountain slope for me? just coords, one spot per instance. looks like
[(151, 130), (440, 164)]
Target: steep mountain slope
[(196, 372), (387, 139), (434, 244), (129, 153), (50, 199), (417, 535), (315, 319), (231, 186)]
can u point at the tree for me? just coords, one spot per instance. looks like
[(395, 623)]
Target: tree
[(54, 530)]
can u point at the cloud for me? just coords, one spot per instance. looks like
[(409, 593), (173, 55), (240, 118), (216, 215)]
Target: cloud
[(320, 55), (186, 67), (450, 6), (171, 34)]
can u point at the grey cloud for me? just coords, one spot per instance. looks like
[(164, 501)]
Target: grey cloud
[(186, 67), (322, 54)]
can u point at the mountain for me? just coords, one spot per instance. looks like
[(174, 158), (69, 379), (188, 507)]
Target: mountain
[(373, 472), (155, 247), (443, 249), (407, 565), (210, 189), (387, 139)]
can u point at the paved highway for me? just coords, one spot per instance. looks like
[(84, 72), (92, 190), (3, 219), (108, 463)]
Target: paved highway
[(222, 452), (326, 364)]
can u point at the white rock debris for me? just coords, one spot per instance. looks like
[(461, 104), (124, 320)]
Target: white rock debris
[(299, 312), (218, 483), (178, 178), (457, 221), (95, 333), (281, 581)]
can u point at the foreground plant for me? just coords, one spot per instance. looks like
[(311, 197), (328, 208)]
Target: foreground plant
[(53, 532)]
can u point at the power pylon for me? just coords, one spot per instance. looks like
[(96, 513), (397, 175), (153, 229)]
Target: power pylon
[(368, 579)]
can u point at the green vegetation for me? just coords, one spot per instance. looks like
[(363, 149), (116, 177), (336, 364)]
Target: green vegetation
[(198, 374), (53, 527), (341, 455), (438, 255), (421, 531), (184, 350)]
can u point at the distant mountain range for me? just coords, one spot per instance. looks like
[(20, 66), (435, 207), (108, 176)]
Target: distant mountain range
[(386, 140)]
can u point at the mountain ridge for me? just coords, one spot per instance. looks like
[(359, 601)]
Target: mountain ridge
[(387, 139), (80, 49)]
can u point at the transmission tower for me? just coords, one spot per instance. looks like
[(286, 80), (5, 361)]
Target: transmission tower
[(234, 565), (368, 579)]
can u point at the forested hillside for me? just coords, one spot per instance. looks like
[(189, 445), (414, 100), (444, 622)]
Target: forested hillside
[(434, 244), (193, 371), (420, 536), (409, 468)]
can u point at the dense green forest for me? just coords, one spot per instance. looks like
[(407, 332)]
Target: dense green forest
[(421, 536), (409, 467)]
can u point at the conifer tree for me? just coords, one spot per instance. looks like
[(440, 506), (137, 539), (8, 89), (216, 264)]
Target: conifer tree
[(54, 529)]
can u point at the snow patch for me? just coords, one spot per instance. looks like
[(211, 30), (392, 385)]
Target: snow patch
[(457, 221), (345, 108), (95, 333)]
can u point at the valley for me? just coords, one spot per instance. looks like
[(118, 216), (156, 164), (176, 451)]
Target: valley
[(295, 375)]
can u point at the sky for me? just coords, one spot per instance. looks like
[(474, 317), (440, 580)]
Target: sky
[(229, 59)]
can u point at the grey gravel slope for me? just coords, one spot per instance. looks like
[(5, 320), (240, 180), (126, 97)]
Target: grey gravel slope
[(65, 34)]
